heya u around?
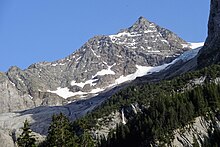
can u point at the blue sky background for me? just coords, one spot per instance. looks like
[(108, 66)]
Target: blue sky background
[(46, 30)]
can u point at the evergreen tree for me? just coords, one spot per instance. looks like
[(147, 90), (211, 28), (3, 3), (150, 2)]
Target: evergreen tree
[(59, 133), (86, 140), (26, 139)]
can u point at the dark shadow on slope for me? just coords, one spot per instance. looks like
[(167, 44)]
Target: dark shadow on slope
[(42, 115)]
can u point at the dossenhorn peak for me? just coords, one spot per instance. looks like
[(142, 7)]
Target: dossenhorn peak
[(100, 64), (83, 80), (142, 24)]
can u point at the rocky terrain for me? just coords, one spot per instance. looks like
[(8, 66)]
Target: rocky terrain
[(82, 81), (100, 64), (210, 53)]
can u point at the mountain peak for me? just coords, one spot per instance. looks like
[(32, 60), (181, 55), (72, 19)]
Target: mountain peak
[(141, 24), (142, 19)]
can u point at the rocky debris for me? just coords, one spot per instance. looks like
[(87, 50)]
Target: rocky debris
[(106, 124), (198, 129), (11, 99), (40, 117), (5, 139), (144, 44)]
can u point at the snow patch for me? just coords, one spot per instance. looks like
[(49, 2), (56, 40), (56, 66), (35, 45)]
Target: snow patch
[(114, 38), (56, 64), (95, 53), (119, 56), (105, 72), (188, 55), (154, 51), (78, 58), (141, 71), (185, 45), (149, 31), (145, 70), (97, 90), (81, 84), (196, 45), (165, 41), (12, 83), (31, 97), (65, 92), (122, 34)]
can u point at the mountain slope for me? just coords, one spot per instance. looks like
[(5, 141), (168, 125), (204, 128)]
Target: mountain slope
[(180, 111), (99, 65)]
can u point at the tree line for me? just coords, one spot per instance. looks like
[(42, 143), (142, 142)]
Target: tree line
[(166, 106)]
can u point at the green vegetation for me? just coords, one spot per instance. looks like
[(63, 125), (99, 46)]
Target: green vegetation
[(26, 139), (165, 106), (165, 114), (61, 134)]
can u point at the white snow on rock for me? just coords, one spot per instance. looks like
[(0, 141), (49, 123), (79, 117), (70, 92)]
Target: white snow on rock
[(196, 45), (65, 92), (154, 51), (185, 45), (92, 81), (122, 34), (95, 53), (149, 31), (193, 45), (105, 72), (145, 70), (81, 84), (165, 41), (97, 90), (141, 71)]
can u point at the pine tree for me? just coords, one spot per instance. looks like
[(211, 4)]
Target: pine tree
[(86, 140), (59, 133), (26, 139)]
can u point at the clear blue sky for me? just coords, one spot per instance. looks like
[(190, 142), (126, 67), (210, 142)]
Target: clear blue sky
[(46, 30)]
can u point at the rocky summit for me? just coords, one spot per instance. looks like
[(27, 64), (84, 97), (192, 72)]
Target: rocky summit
[(82, 81), (99, 65)]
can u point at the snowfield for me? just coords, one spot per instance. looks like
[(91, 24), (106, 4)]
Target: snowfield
[(141, 71)]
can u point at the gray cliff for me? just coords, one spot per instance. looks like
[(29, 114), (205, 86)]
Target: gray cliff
[(92, 69)]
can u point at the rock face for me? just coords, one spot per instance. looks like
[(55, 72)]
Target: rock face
[(199, 130), (86, 78), (100, 64), (210, 53)]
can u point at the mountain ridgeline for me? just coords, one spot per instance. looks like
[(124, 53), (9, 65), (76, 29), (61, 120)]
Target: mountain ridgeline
[(154, 111), (181, 111), (91, 97), (100, 64)]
